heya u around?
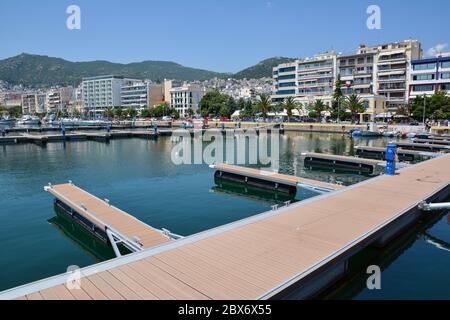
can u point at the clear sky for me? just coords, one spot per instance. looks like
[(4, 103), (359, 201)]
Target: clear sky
[(219, 35)]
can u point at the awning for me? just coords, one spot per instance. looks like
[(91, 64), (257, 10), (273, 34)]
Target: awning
[(392, 52)]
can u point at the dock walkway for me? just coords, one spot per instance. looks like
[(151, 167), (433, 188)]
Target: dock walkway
[(302, 246), (107, 217), (276, 177)]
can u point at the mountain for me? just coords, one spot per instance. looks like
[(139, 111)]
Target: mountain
[(42, 71), (34, 71), (262, 69)]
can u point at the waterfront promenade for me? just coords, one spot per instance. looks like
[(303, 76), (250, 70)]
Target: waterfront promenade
[(294, 251)]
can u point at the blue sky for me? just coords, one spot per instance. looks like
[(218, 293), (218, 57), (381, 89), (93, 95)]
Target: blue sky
[(219, 35)]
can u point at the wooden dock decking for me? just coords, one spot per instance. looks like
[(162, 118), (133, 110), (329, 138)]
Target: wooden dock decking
[(105, 216), (276, 177), (261, 256)]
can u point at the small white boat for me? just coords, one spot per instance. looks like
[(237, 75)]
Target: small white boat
[(29, 121), (7, 121), (411, 135)]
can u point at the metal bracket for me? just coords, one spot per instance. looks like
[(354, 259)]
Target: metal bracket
[(434, 206)]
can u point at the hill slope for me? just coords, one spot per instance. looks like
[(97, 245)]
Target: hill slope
[(262, 69), (43, 71)]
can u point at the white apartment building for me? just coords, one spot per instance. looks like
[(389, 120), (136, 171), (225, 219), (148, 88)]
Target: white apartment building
[(141, 94), (379, 74), (33, 103), (103, 92), (307, 79), (59, 99), (428, 76), (393, 65), (186, 97)]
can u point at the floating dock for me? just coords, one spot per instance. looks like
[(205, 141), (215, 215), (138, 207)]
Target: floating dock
[(270, 180), (432, 141), (105, 221), (403, 155), (422, 147), (294, 252), (361, 165)]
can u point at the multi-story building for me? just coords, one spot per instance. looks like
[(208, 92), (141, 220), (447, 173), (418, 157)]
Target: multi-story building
[(428, 76), (141, 94), (101, 93), (58, 100), (167, 86), (307, 79), (186, 97), (33, 103), (393, 64), (378, 74)]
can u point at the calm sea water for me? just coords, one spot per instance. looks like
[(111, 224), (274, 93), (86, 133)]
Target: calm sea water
[(139, 177)]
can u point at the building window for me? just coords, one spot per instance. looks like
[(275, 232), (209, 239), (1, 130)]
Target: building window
[(287, 77), (423, 77), (423, 88), (286, 84), (424, 66), (286, 92), (287, 69), (445, 86), (445, 75), (445, 64)]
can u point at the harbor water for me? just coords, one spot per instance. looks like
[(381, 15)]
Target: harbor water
[(138, 176)]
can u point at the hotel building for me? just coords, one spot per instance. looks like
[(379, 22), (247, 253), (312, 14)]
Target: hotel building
[(101, 93), (186, 97), (428, 76)]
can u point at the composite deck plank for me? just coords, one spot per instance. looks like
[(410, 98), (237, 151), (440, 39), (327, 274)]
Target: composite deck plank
[(104, 215)]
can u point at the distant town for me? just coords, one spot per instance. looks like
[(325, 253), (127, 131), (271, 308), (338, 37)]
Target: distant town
[(385, 78)]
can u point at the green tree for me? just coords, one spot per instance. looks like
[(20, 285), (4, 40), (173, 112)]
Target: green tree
[(146, 113), (264, 105), (248, 110), (290, 104), (174, 114), (317, 108), (190, 112), (241, 104), (119, 113), (355, 105), (109, 113), (131, 113), (213, 102), (437, 107), (336, 105)]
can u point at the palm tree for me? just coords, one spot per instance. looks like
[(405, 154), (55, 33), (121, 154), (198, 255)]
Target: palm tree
[(119, 113), (290, 104), (264, 105), (355, 105), (109, 113), (318, 107), (131, 112)]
